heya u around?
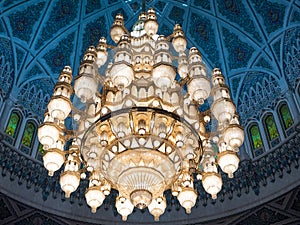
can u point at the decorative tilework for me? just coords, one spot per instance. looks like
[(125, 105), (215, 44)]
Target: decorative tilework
[(263, 217), (135, 6), (177, 14), (22, 22), (292, 55), (259, 91), (9, 2), (43, 84), (92, 5), (62, 14), (93, 31), (60, 55), (34, 71), (239, 52), (38, 218), (234, 84), (34, 96), (295, 17), (20, 56), (121, 11), (6, 67), (160, 5), (272, 14), (164, 30), (236, 12), (202, 4), (201, 30), (277, 48), (2, 30), (112, 1), (263, 63)]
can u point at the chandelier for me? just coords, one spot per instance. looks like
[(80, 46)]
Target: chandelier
[(137, 121)]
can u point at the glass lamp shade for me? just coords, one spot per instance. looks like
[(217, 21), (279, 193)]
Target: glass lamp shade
[(228, 162), (187, 198), (212, 183), (53, 160), (69, 181), (59, 107), (124, 207), (85, 87), (48, 134), (199, 89), (94, 197), (101, 58), (121, 75), (116, 33), (151, 27), (163, 76), (157, 207), (234, 136), (183, 70), (223, 110), (179, 44)]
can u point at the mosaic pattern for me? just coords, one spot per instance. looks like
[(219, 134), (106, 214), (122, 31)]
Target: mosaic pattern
[(22, 22), (13, 124), (202, 4), (202, 32), (255, 137), (292, 55), (272, 14), (271, 127), (60, 55), (260, 91), (286, 116), (236, 12), (28, 134), (62, 14), (177, 15), (239, 51), (92, 5)]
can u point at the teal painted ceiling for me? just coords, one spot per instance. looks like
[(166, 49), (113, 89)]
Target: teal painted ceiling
[(251, 41)]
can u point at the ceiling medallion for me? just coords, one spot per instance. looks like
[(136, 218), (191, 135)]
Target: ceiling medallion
[(136, 128)]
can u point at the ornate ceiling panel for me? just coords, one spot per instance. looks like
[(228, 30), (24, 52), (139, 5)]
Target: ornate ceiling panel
[(239, 37)]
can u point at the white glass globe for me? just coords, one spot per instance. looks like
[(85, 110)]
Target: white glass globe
[(187, 198), (94, 197), (48, 134), (157, 207), (69, 182), (212, 183), (228, 162), (53, 160)]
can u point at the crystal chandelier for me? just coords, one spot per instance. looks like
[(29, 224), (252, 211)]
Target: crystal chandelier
[(136, 128)]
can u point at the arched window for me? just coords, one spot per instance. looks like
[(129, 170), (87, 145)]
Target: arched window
[(13, 124), (40, 152), (28, 134), (272, 131), (285, 116), (271, 127), (257, 144)]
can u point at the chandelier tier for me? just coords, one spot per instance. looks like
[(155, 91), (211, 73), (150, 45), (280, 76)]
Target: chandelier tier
[(136, 129)]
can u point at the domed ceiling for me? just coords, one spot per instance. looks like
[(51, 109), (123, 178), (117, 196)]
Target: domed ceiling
[(247, 39), (255, 42)]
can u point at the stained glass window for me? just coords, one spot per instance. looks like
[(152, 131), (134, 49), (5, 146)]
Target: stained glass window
[(28, 134), (255, 136), (271, 127), (286, 116), (13, 124)]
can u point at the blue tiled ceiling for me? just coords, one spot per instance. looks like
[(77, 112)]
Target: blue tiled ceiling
[(237, 36)]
